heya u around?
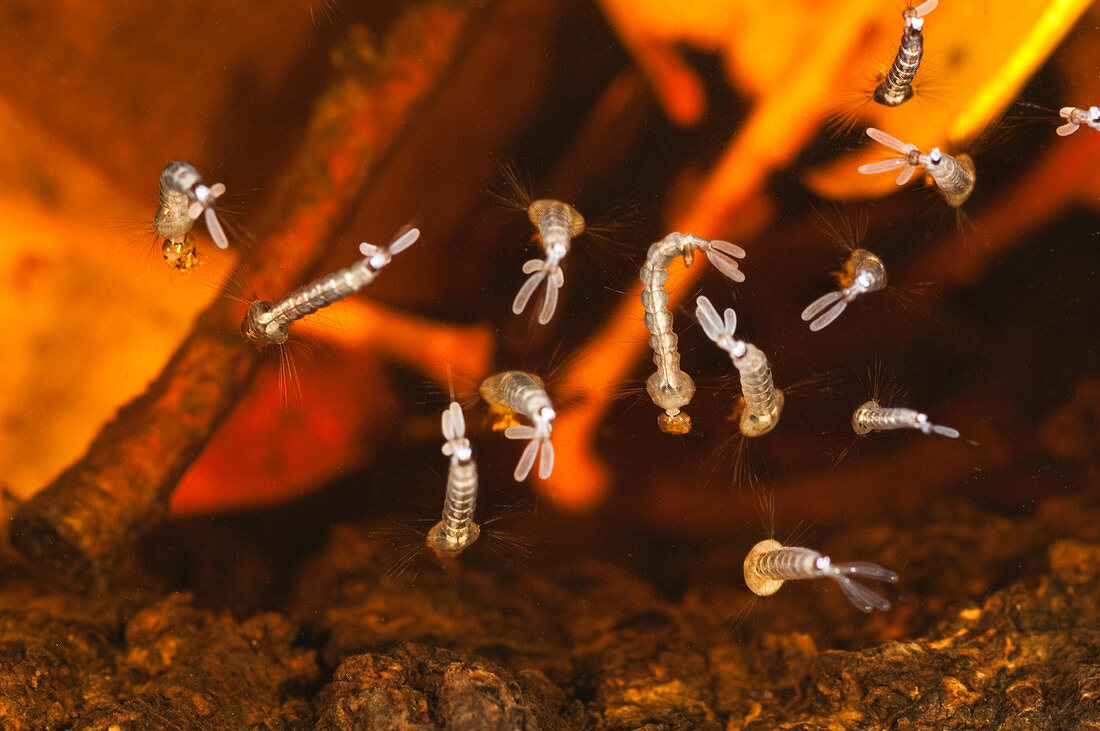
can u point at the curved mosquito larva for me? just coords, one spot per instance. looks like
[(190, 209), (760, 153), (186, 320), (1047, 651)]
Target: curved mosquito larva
[(516, 392), (762, 402), (863, 272), (955, 176), (669, 387), (557, 223), (266, 323), (457, 530), (184, 196), (871, 417), (769, 564), (1075, 117), (897, 87)]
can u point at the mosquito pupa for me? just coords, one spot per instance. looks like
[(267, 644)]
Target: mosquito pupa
[(184, 196), (516, 392), (557, 223), (871, 417), (862, 273), (457, 530), (266, 323), (1076, 117), (770, 563), (670, 388), (897, 87), (762, 402), (954, 176)]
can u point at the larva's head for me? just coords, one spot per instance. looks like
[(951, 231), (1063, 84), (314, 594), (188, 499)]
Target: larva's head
[(447, 546), (868, 272), (547, 206), (859, 418), (756, 581), (260, 329)]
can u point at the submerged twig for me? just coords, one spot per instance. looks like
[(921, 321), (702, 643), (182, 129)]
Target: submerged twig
[(78, 526)]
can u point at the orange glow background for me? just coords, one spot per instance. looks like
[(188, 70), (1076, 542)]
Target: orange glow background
[(748, 97)]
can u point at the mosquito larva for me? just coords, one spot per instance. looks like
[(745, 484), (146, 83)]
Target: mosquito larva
[(897, 87), (670, 388), (762, 402), (516, 392), (184, 196), (863, 272), (770, 563), (1075, 117), (557, 223), (266, 323), (871, 417), (955, 176), (457, 530)]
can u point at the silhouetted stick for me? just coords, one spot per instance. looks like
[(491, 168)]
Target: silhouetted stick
[(79, 526)]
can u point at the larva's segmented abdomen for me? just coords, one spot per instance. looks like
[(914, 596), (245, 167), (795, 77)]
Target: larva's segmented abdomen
[(897, 87), (554, 226), (171, 221), (872, 417), (788, 563), (461, 501), (955, 177), (525, 396), (757, 386), (323, 292), (669, 387)]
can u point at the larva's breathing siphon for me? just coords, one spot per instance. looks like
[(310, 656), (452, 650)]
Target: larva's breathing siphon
[(669, 387), (769, 564)]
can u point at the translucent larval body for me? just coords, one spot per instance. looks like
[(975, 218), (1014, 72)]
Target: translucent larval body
[(871, 417), (670, 387), (897, 87), (456, 531), (558, 223), (762, 402), (770, 564), (954, 175), (184, 196), (863, 273), (525, 394), (267, 322)]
